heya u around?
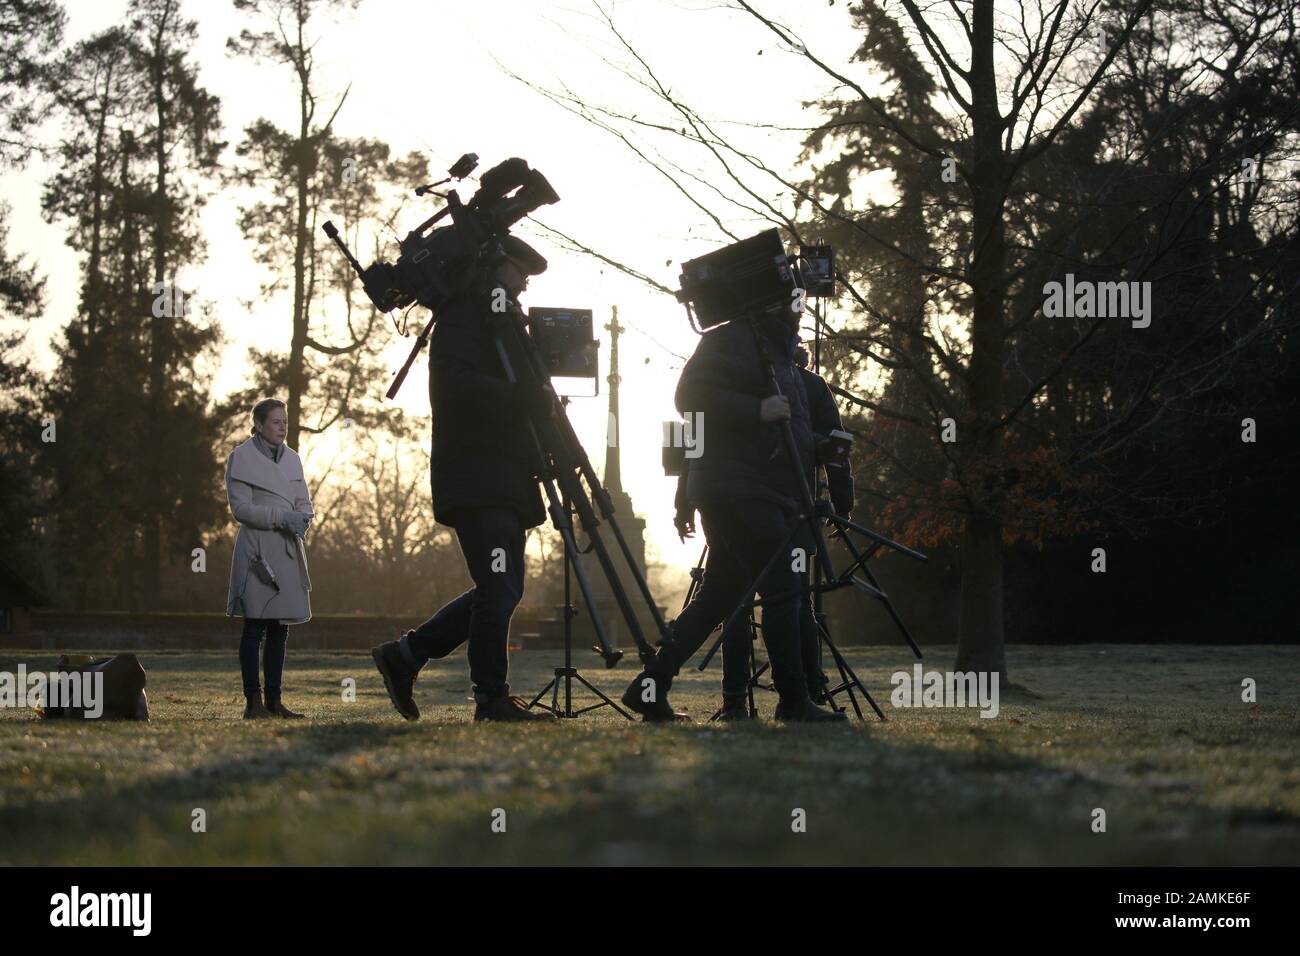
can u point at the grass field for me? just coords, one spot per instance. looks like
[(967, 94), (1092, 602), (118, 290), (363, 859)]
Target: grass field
[(1156, 736)]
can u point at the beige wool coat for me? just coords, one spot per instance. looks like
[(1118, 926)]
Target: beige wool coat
[(261, 492)]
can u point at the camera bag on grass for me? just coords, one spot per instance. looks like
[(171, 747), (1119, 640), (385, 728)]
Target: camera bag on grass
[(123, 687)]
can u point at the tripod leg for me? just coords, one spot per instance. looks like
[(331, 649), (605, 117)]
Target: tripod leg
[(755, 682), (560, 520), (717, 643), (607, 509), (849, 680), (559, 511), (601, 694), (846, 684), (567, 454), (542, 693), (889, 605), (755, 672), (697, 573), (587, 518)]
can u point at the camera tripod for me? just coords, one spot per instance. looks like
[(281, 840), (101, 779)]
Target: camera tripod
[(568, 673), (563, 470), (809, 521)]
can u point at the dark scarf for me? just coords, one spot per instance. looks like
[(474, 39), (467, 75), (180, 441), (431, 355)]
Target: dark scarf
[(274, 453)]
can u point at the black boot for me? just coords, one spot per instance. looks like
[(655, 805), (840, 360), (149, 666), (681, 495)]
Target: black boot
[(399, 677), (804, 711), (656, 710), (254, 708), (508, 709), (735, 707), (275, 707)]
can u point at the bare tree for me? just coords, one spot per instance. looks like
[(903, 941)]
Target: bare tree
[(981, 119)]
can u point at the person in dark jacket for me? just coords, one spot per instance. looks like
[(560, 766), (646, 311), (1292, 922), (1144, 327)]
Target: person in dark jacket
[(484, 483), (746, 489), (738, 636)]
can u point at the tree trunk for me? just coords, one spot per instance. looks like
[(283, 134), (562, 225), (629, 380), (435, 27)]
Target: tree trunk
[(304, 167), (94, 268), (980, 643), (157, 331), (980, 638)]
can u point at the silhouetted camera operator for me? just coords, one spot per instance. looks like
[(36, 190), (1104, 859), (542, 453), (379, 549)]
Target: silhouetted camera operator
[(825, 419), (484, 482), (746, 490)]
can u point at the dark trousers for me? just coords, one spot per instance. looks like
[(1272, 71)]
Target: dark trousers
[(492, 541), (276, 636), (737, 639), (743, 536)]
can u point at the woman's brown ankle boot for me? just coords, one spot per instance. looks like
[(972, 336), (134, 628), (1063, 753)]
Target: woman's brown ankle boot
[(275, 708)]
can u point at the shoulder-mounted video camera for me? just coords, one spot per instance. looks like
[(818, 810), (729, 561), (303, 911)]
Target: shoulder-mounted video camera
[(436, 264)]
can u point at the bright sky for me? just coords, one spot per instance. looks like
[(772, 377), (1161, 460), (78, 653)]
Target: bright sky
[(423, 77)]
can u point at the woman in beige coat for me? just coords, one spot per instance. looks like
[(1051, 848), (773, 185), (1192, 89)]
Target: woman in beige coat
[(269, 586)]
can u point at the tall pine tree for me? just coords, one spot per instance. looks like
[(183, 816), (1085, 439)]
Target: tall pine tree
[(135, 457)]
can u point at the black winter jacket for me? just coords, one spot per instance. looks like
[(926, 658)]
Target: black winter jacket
[(740, 456), (825, 418), (483, 455)]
